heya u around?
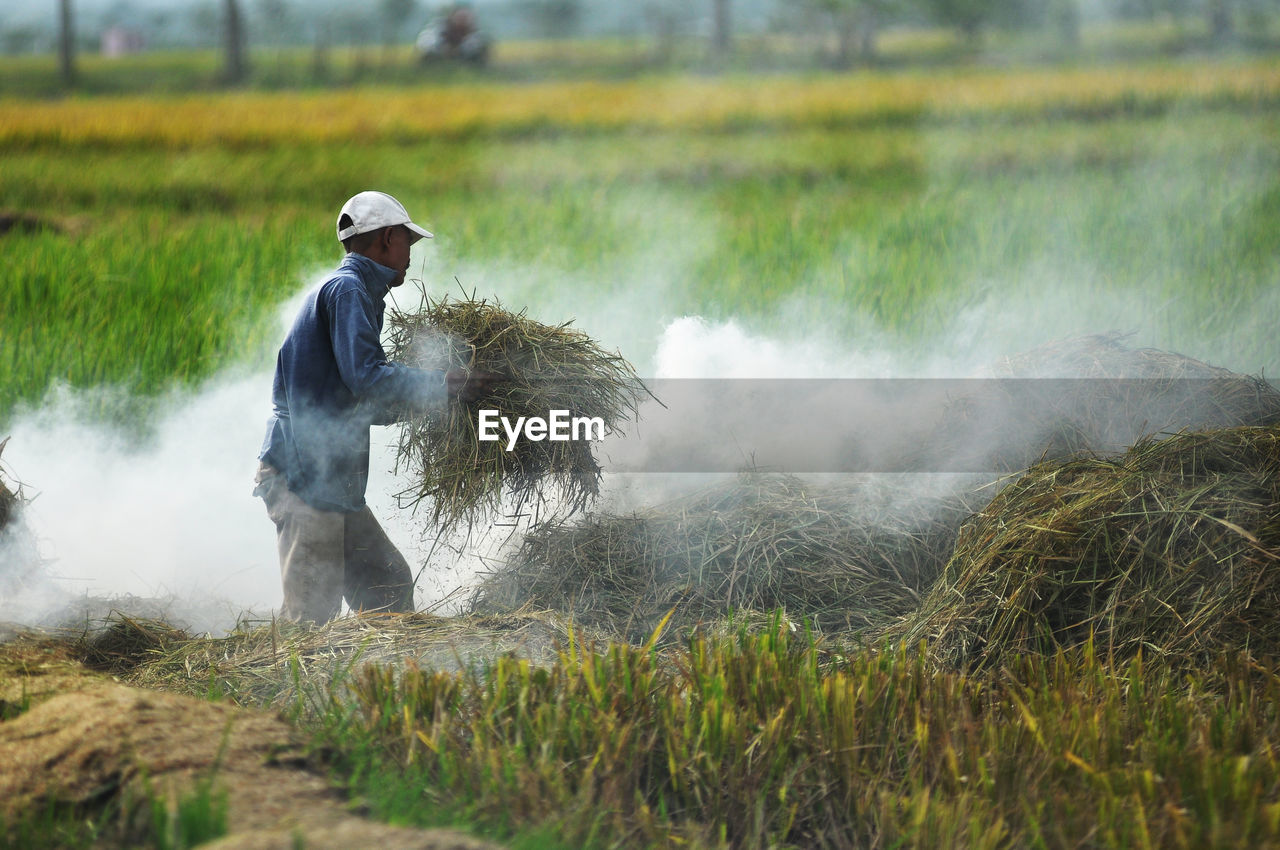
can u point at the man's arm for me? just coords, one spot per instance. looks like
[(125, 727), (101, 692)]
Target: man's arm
[(391, 390)]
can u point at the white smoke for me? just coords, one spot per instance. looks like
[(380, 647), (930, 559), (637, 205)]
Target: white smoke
[(168, 518), (173, 515)]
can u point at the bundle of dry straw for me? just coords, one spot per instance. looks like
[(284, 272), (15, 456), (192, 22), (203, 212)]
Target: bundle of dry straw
[(1172, 549), (845, 559), (541, 368)]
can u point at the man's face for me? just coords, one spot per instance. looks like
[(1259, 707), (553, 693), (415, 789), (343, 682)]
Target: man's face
[(398, 253)]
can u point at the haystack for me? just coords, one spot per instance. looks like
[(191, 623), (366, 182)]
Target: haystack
[(846, 559), (1172, 549), (541, 368), (1089, 395)]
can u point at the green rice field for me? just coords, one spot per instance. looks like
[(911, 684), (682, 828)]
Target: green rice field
[(916, 209)]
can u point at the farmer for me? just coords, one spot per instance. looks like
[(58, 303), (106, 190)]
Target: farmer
[(332, 382)]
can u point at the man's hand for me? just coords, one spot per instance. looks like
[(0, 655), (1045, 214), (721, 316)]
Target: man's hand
[(468, 387)]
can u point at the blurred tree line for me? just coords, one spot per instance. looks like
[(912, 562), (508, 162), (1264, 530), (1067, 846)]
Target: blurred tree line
[(848, 30)]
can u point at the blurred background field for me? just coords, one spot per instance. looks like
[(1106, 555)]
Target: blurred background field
[(154, 235)]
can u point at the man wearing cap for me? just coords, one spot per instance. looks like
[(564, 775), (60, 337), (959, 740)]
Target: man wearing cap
[(332, 381)]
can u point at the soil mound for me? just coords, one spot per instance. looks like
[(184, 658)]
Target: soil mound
[(87, 749)]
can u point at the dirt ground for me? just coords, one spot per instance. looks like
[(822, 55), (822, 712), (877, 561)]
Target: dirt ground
[(86, 739)]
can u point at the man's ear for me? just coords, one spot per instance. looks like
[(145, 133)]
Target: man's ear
[(384, 238)]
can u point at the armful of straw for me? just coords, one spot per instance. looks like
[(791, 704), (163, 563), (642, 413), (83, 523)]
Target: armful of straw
[(543, 368)]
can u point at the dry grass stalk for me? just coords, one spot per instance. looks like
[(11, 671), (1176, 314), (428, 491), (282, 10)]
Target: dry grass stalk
[(543, 368), (765, 542), (1173, 550)]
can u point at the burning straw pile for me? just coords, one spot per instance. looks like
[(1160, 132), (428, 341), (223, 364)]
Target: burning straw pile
[(1173, 549), (1085, 395), (541, 368), (845, 559)]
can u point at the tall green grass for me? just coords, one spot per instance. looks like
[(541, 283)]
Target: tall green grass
[(771, 740), (151, 822), (142, 300)]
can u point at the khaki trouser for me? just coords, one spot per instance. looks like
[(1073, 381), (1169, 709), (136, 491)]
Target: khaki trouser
[(328, 555)]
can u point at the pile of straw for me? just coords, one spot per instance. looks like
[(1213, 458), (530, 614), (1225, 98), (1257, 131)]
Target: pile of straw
[(845, 560), (1115, 397), (1173, 549), (282, 665), (541, 368), (126, 642)]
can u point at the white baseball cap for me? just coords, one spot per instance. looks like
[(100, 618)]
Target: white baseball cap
[(373, 211)]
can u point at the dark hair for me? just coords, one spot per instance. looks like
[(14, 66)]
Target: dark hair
[(359, 242)]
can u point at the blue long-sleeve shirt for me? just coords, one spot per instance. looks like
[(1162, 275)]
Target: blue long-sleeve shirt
[(333, 381)]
